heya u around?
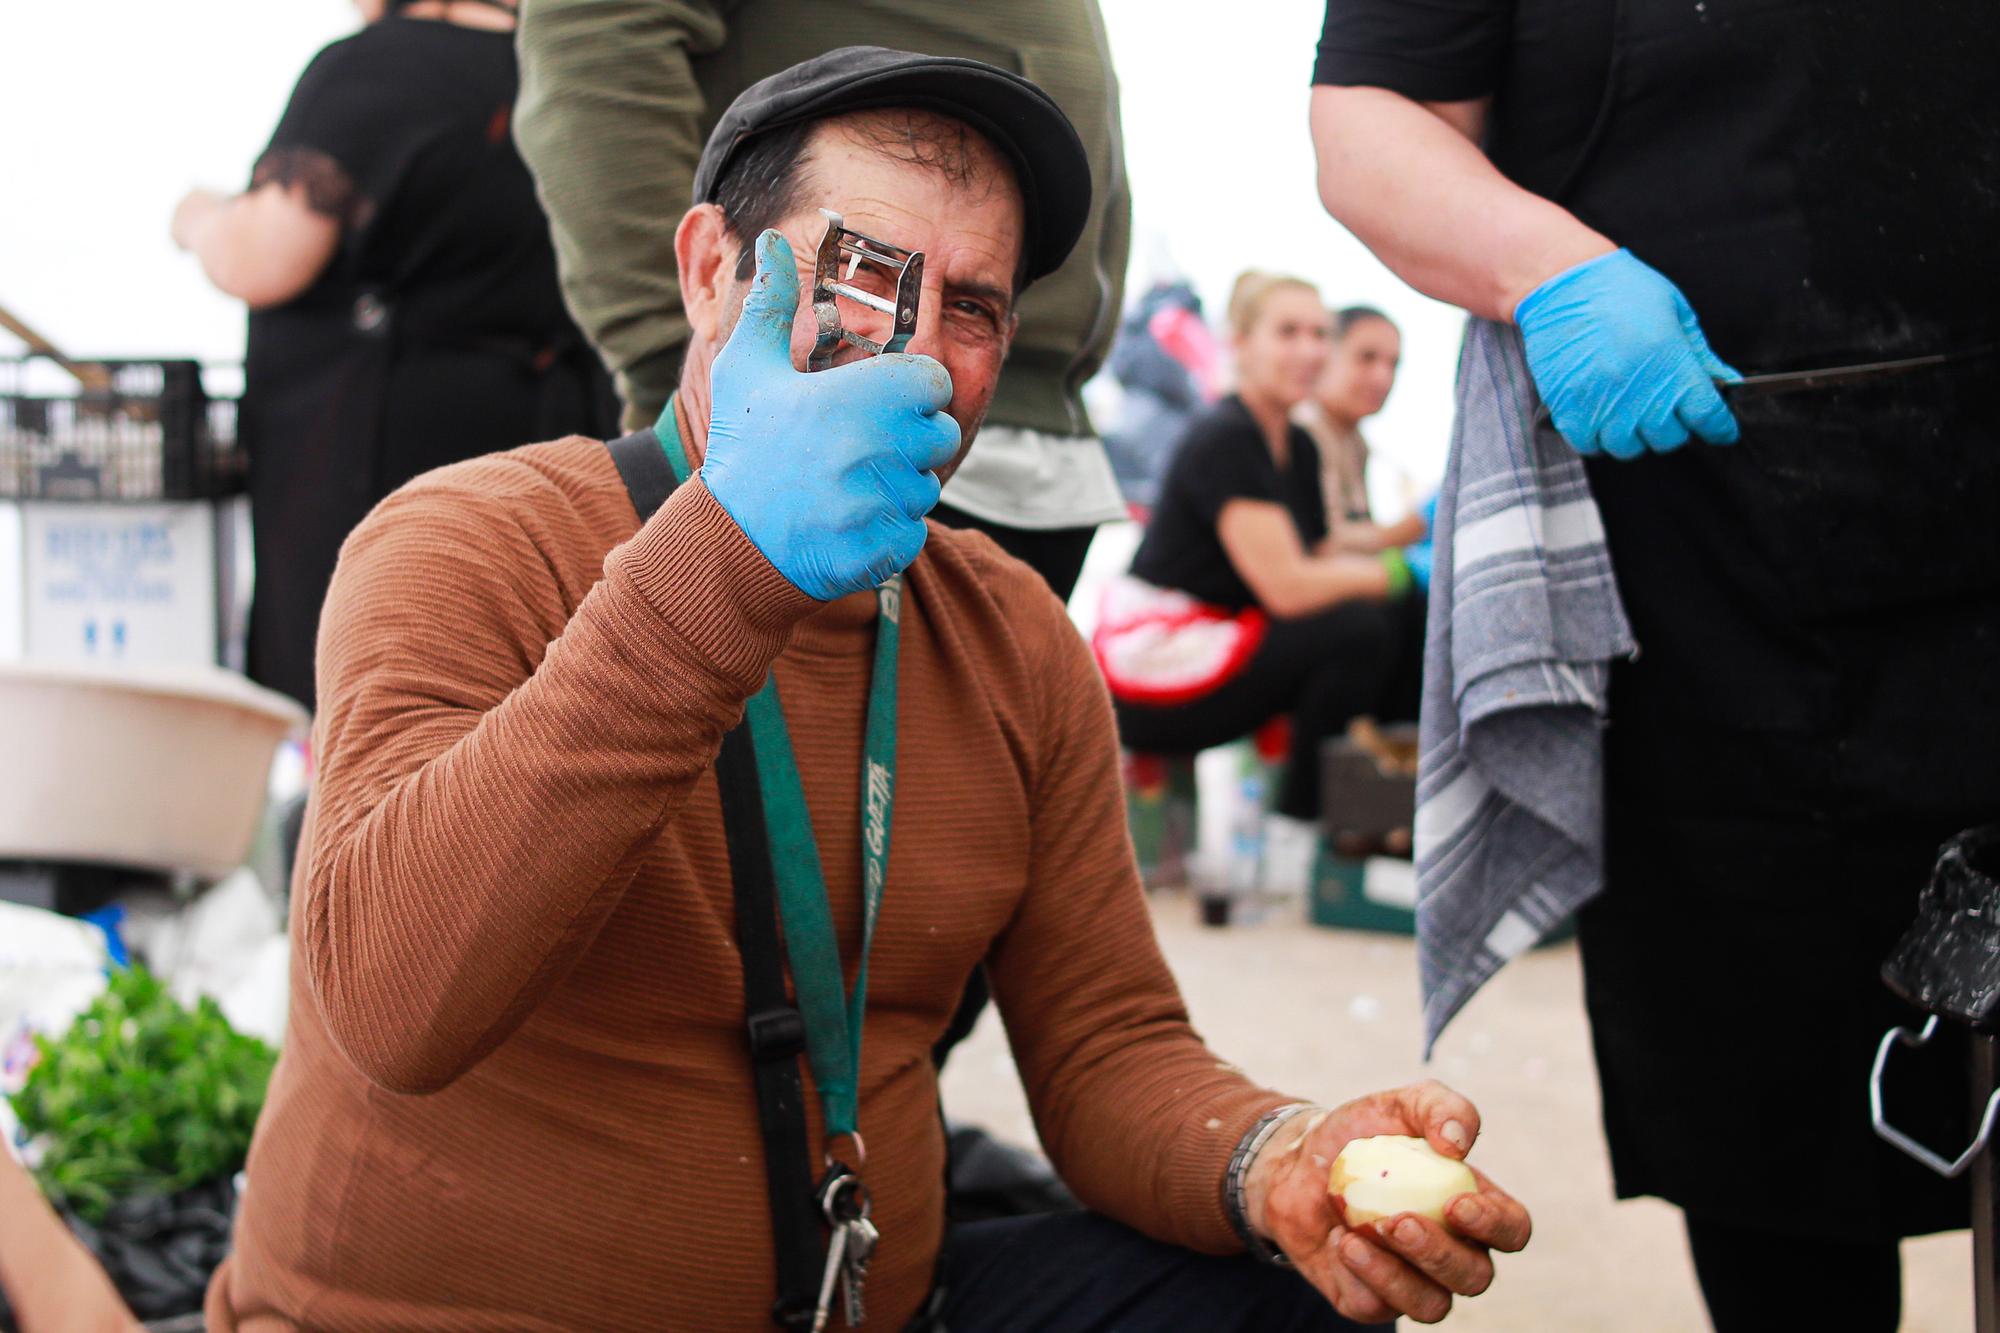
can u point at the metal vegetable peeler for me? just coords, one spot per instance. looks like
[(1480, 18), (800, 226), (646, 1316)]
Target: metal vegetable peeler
[(842, 253)]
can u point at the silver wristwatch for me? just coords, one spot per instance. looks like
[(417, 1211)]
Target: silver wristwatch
[(1238, 1174)]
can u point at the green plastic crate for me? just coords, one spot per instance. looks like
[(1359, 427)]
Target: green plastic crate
[(1338, 901), (1160, 813)]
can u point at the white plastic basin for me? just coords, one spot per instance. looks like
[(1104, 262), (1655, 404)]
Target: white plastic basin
[(161, 767)]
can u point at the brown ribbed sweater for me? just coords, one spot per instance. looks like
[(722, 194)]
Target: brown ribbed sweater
[(515, 1092)]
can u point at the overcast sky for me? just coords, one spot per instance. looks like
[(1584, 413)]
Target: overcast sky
[(114, 108)]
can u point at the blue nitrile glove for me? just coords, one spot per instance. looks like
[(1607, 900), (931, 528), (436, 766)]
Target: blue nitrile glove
[(1620, 359), (1418, 556), (829, 474)]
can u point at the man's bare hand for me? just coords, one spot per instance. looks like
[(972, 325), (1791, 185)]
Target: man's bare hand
[(1404, 1265)]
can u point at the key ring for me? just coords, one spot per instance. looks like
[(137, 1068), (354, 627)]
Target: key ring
[(842, 1197), (833, 1158)]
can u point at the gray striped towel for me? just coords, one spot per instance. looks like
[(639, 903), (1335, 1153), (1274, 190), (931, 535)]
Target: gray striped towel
[(1524, 623)]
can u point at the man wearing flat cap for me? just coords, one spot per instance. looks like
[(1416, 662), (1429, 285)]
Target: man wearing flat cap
[(617, 100), (670, 790)]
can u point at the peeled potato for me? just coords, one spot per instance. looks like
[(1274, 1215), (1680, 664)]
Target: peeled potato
[(1392, 1174)]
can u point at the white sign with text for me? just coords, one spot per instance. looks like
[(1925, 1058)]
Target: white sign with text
[(119, 582), (13, 577)]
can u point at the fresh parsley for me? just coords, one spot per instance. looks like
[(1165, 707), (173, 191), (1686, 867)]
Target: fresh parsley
[(141, 1096)]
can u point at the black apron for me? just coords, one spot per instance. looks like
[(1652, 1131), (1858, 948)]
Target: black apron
[(1815, 703), (348, 394), (437, 332)]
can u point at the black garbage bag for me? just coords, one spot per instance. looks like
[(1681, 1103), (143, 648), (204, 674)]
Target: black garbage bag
[(160, 1250), (1949, 961), (989, 1179)]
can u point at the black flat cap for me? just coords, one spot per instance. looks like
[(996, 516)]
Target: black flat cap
[(1022, 120)]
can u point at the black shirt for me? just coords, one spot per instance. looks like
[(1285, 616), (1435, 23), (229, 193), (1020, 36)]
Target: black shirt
[(1816, 175), (1222, 457), (436, 333), (402, 134)]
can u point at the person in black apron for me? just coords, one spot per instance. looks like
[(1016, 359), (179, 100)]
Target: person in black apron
[(1816, 704), (434, 331)]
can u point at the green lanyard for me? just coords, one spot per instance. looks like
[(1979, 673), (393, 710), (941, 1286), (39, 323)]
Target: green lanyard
[(832, 1019)]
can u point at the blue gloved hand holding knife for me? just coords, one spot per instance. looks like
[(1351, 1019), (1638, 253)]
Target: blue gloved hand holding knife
[(1621, 361)]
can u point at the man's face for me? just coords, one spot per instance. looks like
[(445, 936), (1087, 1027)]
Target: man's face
[(969, 229)]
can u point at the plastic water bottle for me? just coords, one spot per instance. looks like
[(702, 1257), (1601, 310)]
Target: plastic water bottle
[(1246, 834), (1230, 887)]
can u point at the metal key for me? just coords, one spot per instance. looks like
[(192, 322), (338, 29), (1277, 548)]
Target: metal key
[(835, 1271), (843, 1199), (861, 1238)]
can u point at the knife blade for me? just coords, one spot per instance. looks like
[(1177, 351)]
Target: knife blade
[(1825, 377)]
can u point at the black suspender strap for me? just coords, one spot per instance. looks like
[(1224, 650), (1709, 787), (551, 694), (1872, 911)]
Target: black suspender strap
[(777, 1035), (776, 1031), (643, 467)]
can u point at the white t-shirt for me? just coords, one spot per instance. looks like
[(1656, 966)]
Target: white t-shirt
[(1038, 481)]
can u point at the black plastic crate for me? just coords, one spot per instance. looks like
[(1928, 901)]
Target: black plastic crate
[(150, 431)]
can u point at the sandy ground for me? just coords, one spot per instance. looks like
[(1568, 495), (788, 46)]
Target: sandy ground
[(1329, 1013)]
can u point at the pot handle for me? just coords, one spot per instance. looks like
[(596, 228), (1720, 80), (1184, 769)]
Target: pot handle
[(1947, 1169)]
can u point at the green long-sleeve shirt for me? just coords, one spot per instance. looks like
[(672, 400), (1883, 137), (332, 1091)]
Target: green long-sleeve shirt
[(618, 96)]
